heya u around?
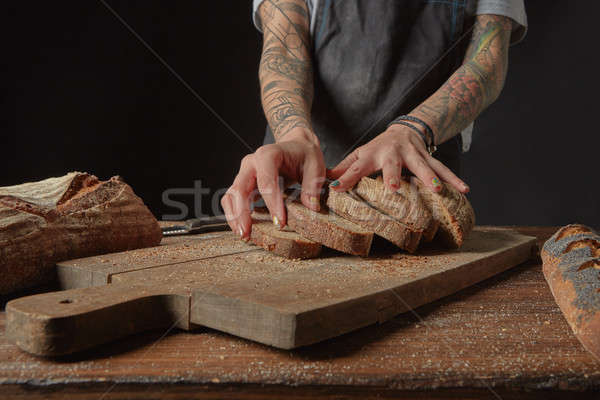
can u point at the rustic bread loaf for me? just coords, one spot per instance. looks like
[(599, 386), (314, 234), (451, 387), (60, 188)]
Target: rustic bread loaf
[(72, 216), (328, 229), (285, 242), (451, 209), (353, 208), (571, 264)]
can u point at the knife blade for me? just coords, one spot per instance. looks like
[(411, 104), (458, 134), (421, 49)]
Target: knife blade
[(197, 225)]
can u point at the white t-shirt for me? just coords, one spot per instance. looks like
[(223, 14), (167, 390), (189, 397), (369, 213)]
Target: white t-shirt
[(514, 9)]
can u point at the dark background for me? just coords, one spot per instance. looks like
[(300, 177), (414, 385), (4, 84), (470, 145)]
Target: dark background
[(80, 92)]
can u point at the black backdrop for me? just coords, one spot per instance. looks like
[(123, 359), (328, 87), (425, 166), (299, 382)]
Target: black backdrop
[(81, 92)]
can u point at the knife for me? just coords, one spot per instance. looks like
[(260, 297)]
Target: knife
[(197, 225)]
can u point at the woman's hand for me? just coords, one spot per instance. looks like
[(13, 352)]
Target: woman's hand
[(297, 157), (397, 147)]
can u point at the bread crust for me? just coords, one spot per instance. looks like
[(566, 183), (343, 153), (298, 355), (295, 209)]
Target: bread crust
[(571, 265), (73, 216), (349, 206), (405, 204), (451, 209), (328, 229), (285, 243)]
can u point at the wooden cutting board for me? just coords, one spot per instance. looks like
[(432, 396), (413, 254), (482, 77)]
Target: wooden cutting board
[(218, 281)]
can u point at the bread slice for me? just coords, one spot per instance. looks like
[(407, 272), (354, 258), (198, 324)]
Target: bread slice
[(351, 207), (405, 204), (285, 243), (328, 229), (453, 211), (407, 191), (431, 230)]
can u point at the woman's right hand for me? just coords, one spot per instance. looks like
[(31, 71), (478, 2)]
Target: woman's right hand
[(297, 157)]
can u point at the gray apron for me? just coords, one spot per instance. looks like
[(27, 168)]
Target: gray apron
[(369, 56)]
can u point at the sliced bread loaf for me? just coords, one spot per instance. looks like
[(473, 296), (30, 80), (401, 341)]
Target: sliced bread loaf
[(405, 204), (328, 229), (353, 208), (409, 192), (285, 242), (452, 209)]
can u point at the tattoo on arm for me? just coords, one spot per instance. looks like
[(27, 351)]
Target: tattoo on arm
[(285, 69), (475, 85)]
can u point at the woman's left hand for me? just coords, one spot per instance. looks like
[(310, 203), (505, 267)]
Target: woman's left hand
[(397, 147)]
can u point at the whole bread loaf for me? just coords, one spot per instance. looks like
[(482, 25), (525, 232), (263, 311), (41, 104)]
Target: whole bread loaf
[(328, 229), (451, 209), (353, 208), (571, 265), (68, 217), (285, 242)]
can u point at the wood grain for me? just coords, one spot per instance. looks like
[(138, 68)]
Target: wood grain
[(506, 333), (221, 283), (99, 270)]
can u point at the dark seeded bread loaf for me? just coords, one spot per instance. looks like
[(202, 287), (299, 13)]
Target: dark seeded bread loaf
[(451, 209), (351, 207), (571, 265), (328, 229), (76, 215), (285, 243)]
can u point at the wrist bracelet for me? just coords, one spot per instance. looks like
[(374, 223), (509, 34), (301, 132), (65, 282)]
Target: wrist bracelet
[(420, 122), (430, 148)]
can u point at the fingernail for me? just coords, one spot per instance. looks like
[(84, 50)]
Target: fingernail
[(437, 184), (314, 200), (241, 232), (335, 183), (393, 183), (465, 187), (276, 222)]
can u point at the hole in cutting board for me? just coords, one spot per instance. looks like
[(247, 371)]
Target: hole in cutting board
[(66, 301)]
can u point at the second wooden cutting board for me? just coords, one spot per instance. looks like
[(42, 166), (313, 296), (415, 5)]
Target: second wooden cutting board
[(220, 282)]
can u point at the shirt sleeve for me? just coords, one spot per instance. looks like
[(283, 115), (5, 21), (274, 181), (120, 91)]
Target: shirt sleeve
[(258, 23), (255, 16), (514, 9)]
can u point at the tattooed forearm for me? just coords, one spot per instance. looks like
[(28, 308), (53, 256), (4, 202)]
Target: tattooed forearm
[(276, 61), (285, 69), (284, 110), (475, 85)]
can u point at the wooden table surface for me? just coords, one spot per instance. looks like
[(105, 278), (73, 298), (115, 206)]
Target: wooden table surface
[(503, 338)]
